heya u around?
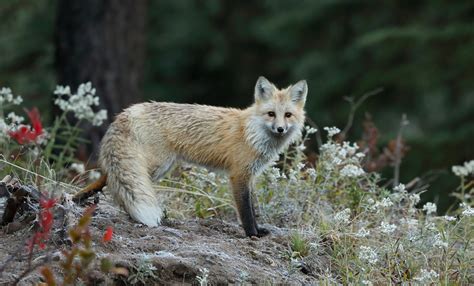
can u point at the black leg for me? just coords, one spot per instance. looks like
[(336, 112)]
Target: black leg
[(243, 199)]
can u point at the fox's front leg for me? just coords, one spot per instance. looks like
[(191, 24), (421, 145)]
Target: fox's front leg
[(241, 187)]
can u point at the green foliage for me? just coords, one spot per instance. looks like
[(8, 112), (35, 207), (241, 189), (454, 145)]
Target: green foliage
[(142, 273), (26, 42), (299, 245), (64, 139)]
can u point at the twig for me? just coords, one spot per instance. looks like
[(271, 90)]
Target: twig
[(398, 151), (354, 107)]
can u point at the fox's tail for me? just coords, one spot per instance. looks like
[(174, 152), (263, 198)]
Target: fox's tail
[(91, 189)]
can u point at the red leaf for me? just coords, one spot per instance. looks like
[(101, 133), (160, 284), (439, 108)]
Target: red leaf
[(47, 203), (108, 234), (46, 221), (26, 135), (35, 120)]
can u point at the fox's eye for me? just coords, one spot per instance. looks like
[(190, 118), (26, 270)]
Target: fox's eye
[(271, 114), (288, 114)]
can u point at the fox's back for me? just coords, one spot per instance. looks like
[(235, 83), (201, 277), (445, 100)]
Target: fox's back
[(207, 135)]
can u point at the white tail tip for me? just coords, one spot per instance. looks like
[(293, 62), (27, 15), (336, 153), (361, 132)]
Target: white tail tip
[(146, 213)]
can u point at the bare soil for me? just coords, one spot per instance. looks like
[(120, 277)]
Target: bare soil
[(177, 251)]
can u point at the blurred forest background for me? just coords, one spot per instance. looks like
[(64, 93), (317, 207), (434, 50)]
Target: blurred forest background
[(211, 52)]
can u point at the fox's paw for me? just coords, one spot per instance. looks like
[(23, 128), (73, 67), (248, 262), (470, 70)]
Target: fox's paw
[(261, 232)]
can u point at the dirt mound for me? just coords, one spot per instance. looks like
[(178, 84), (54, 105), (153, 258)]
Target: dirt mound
[(176, 252)]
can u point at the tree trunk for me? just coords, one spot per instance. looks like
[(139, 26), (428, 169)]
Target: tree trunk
[(101, 41)]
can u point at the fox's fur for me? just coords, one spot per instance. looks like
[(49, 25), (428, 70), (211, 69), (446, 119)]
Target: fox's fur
[(146, 139)]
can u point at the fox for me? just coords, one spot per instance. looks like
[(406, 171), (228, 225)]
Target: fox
[(145, 140)]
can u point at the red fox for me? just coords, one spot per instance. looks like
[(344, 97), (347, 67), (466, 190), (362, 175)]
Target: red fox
[(146, 139)]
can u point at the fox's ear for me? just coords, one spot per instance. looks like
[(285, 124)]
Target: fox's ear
[(298, 91), (263, 89)]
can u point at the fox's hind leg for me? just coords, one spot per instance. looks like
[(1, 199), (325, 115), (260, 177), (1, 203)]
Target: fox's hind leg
[(163, 167)]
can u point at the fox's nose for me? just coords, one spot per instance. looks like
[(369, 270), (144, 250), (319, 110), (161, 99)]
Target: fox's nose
[(280, 129)]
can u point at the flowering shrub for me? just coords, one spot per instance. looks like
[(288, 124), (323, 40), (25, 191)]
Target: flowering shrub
[(374, 235), (32, 146)]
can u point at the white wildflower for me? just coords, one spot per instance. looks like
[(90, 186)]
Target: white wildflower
[(352, 171), (370, 201), (387, 227), (464, 170), (4, 91), (439, 242), (385, 203), (360, 155), (348, 149), (342, 153), (368, 254), (336, 161), (399, 188), (78, 168), (469, 166), (460, 171), (15, 119), (311, 173), (343, 216), (211, 176), (310, 130), (449, 218), (62, 90), (81, 103), (363, 233), (6, 96), (301, 147), (274, 174), (367, 282), (426, 277), (332, 131), (17, 100), (429, 208), (293, 176), (299, 166), (414, 199), (94, 175), (468, 211), (99, 117)]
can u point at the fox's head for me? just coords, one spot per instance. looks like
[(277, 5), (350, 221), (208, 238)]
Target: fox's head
[(280, 111)]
